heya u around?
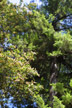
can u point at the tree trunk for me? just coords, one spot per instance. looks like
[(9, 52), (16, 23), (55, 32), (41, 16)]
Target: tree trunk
[(53, 79)]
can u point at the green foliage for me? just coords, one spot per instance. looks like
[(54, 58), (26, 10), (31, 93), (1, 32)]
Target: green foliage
[(61, 11), (67, 98), (59, 87), (70, 83), (65, 95), (40, 102), (63, 42), (16, 74), (28, 45), (58, 103)]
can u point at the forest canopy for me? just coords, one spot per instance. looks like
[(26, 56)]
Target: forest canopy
[(36, 54)]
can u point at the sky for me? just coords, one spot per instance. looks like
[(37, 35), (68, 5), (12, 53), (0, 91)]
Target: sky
[(25, 1)]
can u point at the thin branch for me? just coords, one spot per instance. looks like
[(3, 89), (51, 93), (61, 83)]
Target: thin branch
[(65, 28), (63, 17), (54, 23)]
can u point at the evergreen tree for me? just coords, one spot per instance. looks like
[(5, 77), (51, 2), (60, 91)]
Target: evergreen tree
[(35, 58)]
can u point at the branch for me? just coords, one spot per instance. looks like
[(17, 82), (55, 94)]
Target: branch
[(63, 17), (57, 19), (65, 28)]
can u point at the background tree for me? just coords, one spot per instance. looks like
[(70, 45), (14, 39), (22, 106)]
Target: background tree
[(62, 12)]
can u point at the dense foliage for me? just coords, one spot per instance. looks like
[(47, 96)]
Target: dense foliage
[(62, 12), (35, 55)]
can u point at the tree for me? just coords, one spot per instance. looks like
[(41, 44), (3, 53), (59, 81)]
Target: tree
[(59, 14), (34, 57), (16, 74), (62, 12)]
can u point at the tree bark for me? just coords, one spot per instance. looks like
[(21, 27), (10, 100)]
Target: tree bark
[(53, 79)]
